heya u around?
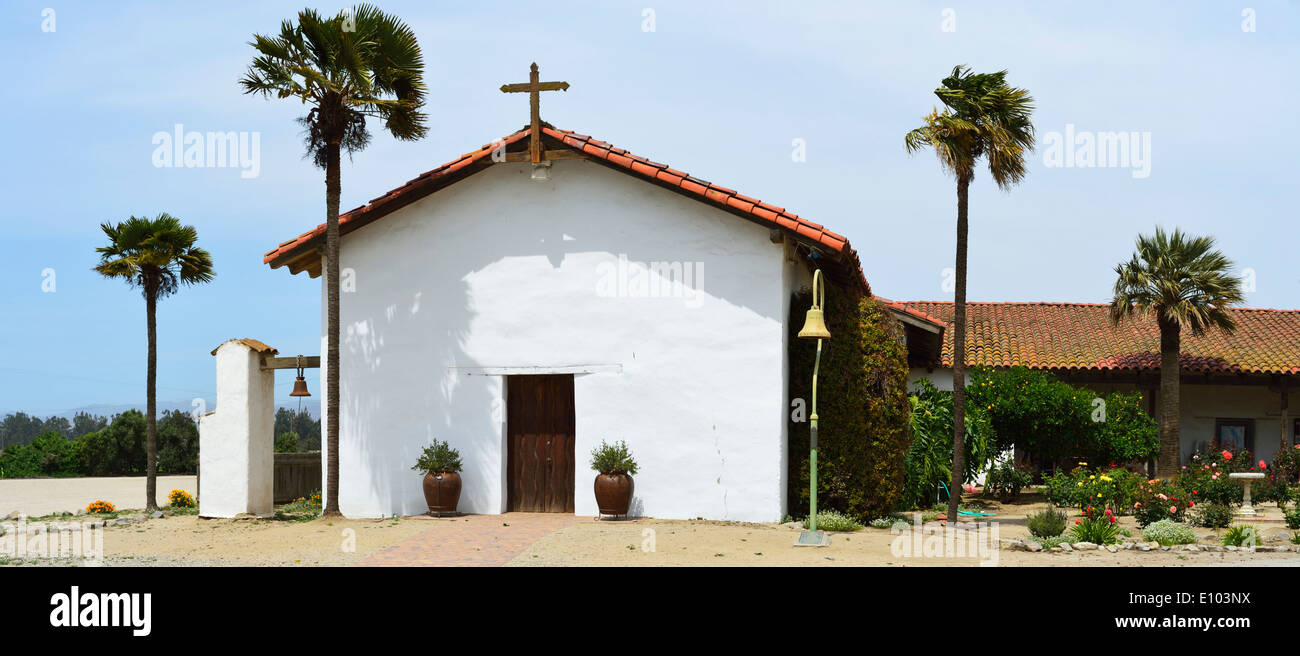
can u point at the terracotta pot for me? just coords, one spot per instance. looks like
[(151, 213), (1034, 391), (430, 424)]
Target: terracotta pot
[(614, 493), (442, 491)]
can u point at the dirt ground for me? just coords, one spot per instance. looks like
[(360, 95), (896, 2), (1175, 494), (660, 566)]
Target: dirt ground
[(650, 542), (186, 540)]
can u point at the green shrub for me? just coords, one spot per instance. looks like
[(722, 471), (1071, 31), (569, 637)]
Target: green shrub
[(438, 457), (1047, 523), (1295, 538), (1286, 465), (885, 522), (613, 458), (1040, 415), (286, 442), (1157, 500), (1049, 542), (1293, 518), (1095, 527), (1169, 532), (1212, 515), (929, 458), (1241, 536), (832, 520), (1006, 480), (862, 407)]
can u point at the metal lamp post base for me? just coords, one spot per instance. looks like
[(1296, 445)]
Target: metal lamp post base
[(813, 539)]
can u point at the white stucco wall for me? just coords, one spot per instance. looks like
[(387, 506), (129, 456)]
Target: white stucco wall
[(1200, 406), (502, 273), (236, 445)]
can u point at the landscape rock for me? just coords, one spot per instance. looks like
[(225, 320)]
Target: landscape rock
[(1191, 547), (1112, 548), (1084, 546), (1230, 548), (157, 514), (1066, 546), (1033, 546), (15, 515), (1144, 546), (1128, 545)]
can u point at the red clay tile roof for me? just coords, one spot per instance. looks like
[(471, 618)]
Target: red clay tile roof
[(250, 343), (1079, 336), (835, 245)]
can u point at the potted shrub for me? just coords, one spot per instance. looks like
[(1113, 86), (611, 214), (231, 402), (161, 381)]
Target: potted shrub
[(614, 484), (441, 466)]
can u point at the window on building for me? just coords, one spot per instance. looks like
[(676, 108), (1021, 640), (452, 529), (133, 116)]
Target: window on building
[(1235, 434)]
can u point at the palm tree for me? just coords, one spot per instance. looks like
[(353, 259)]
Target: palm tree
[(982, 117), (157, 256), (360, 63), (1183, 282)]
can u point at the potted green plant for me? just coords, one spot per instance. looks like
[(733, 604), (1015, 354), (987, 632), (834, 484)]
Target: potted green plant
[(614, 483), (441, 466)]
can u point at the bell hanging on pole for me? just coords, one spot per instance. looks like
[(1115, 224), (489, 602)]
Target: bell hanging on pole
[(814, 324), (300, 384)]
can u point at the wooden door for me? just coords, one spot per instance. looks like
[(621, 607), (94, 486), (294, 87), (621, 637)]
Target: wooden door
[(539, 443)]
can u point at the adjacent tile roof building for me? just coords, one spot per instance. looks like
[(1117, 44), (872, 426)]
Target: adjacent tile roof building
[(1080, 337)]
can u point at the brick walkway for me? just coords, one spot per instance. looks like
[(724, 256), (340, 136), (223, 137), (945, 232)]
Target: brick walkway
[(471, 540)]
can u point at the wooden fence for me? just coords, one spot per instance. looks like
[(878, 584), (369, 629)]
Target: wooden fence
[(296, 475)]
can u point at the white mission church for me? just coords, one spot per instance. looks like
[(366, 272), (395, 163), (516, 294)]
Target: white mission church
[(548, 291)]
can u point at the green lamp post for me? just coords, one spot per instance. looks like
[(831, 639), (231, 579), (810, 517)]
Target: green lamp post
[(814, 327)]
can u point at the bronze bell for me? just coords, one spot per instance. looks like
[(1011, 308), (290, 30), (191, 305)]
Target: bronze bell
[(300, 383), (814, 324)]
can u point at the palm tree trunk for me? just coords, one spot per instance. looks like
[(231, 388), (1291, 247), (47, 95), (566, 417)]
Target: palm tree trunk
[(151, 402), (959, 353), (1167, 465), (333, 188)]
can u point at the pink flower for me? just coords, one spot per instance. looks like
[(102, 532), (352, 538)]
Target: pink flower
[(1173, 509), (1137, 504)]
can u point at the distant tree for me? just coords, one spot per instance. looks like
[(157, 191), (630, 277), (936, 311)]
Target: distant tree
[(178, 443), (54, 424), (19, 428), (157, 256), (300, 423), (118, 449), (84, 422)]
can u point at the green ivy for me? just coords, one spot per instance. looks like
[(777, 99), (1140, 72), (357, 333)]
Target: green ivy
[(861, 405)]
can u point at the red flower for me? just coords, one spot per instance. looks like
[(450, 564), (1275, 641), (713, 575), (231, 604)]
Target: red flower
[(1112, 519), (1227, 455), (1263, 465), (1191, 504), (1077, 521)]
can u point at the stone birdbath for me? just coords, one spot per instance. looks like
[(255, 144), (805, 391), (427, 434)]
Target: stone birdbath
[(1246, 478)]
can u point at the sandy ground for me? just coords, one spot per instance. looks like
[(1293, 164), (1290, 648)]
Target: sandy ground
[(650, 542), (186, 540), (44, 496)]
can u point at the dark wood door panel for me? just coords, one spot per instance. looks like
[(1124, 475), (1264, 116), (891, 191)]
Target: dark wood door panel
[(540, 426)]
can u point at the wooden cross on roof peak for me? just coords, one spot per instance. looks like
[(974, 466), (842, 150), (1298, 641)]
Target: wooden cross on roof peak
[(534, 89)]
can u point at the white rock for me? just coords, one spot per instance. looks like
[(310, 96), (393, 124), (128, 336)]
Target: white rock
[(1033, 546), (1112, 548), (1084, 546), (1191, 547), (1065, 546), (1230, 548)]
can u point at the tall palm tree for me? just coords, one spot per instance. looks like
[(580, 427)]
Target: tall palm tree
[(361, 63), (157, 256), (1183, 282), (982, 117)]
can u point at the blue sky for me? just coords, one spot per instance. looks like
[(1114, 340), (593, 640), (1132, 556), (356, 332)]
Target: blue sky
[(719, 89)]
